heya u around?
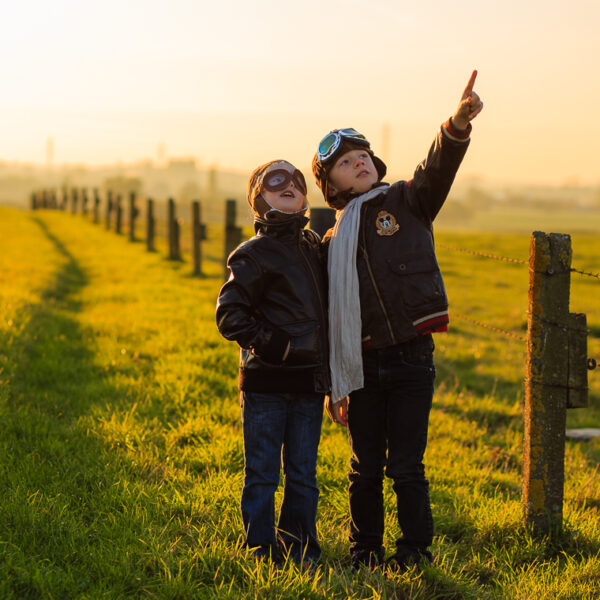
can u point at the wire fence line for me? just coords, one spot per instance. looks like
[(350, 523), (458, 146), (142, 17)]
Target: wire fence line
[(509, 334)]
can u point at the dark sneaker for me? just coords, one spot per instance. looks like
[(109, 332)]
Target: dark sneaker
[(403, 560), (366, 558)]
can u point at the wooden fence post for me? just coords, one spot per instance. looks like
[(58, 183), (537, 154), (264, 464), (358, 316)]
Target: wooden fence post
[(150, 225), (321, 219), (119, 215), (33, 200), (84, 201), (133, 213), (173, 232), (198, 234), (53, 203), (547, 380), (96, 205), (74, 200), (64, 199), (233, 233), (109, 208)]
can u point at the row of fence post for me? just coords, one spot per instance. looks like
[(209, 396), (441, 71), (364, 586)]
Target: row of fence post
[(320, 220)]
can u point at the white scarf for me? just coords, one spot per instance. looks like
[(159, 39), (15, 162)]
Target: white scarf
[(345, 344)]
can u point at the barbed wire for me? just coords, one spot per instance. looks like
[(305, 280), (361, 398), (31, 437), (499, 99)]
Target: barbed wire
[(510, 334), (483, 254), (507, 259), (596, 275)]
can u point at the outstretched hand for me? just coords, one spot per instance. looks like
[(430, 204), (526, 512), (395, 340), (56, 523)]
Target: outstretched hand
[(469, 107)]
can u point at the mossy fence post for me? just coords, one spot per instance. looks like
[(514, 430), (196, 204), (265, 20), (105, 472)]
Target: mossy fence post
[(133, 213), (233, 233), (556, 345), (198, 234), (173, 232), (150, 225)]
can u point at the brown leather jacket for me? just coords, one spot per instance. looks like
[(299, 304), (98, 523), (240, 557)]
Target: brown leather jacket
[(276, 294), (402, 293)]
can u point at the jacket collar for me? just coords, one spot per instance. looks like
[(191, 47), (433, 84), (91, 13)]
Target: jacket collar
[(282, 227)]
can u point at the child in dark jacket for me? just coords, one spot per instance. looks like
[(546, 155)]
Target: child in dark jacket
[(274, 306), (386, 298)]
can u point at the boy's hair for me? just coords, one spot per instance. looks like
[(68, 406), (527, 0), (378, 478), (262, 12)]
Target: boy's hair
[(321, 170)]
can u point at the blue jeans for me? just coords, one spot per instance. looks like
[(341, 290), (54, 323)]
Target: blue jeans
[(281, 428), (387, 424)]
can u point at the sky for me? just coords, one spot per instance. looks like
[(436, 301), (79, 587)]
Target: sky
[(235, 83)]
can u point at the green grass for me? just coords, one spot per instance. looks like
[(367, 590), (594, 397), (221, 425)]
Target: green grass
[(121, 453)]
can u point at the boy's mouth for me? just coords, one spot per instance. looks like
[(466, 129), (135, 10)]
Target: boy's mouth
[(287, 194), (363, 173)]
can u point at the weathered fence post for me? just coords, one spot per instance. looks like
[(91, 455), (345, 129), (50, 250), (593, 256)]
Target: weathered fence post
[(549, 378), (109, 208), (64, 198), (233, 233), (84, 202), (173, 232), (44, 198), (74, 200), (133, 213), (33, 198), (96, 205), (119, 215), (198, 234), (53, 203), (321, 219), (150, 225)]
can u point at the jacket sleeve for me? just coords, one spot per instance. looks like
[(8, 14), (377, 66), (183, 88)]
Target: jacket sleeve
[(238, 314), (433, 178)]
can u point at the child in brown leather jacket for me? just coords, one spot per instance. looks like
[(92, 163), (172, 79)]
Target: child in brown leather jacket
[(274, 306), (386, 298)]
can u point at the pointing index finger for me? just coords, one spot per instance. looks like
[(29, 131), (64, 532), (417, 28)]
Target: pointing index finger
[(469, 89)]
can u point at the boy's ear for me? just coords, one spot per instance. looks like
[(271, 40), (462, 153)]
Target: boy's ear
[(331, 189)]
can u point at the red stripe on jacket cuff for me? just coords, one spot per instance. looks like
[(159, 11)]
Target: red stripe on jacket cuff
[(455, 133)]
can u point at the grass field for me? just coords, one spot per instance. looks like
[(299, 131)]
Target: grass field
[(121, 453)]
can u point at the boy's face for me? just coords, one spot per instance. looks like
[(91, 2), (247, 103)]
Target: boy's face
[(353, 171), (291, 198)]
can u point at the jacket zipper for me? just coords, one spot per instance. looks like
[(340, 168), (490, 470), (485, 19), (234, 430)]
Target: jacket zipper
[(322, 306), (377, 293)]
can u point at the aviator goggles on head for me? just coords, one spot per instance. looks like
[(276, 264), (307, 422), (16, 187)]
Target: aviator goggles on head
[(279, 179), (331, 142)]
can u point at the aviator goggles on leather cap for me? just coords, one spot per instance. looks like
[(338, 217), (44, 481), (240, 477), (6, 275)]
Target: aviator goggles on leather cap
[(279, 179), (331, 142)]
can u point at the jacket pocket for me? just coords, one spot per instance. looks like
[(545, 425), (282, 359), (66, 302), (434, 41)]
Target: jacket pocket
[(304, 343), (419, 281)]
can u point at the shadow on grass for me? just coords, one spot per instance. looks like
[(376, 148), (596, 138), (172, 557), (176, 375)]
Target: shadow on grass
[(70, 521)]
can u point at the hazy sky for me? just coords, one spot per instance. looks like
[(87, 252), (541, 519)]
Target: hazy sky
[(237, 83)]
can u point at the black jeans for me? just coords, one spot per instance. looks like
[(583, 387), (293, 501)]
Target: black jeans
[(387, 424)]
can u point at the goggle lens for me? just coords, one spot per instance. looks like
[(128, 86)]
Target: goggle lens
[(330, 143), (279, 179)]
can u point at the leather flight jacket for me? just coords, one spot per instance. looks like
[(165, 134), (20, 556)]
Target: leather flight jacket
[(275, 295), (402, 293)]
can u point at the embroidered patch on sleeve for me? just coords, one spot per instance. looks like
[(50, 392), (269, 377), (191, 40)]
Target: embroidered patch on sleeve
[(386, 223)]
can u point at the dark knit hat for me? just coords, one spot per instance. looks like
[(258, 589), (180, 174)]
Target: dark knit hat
[(260, 207), (321, 169)]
